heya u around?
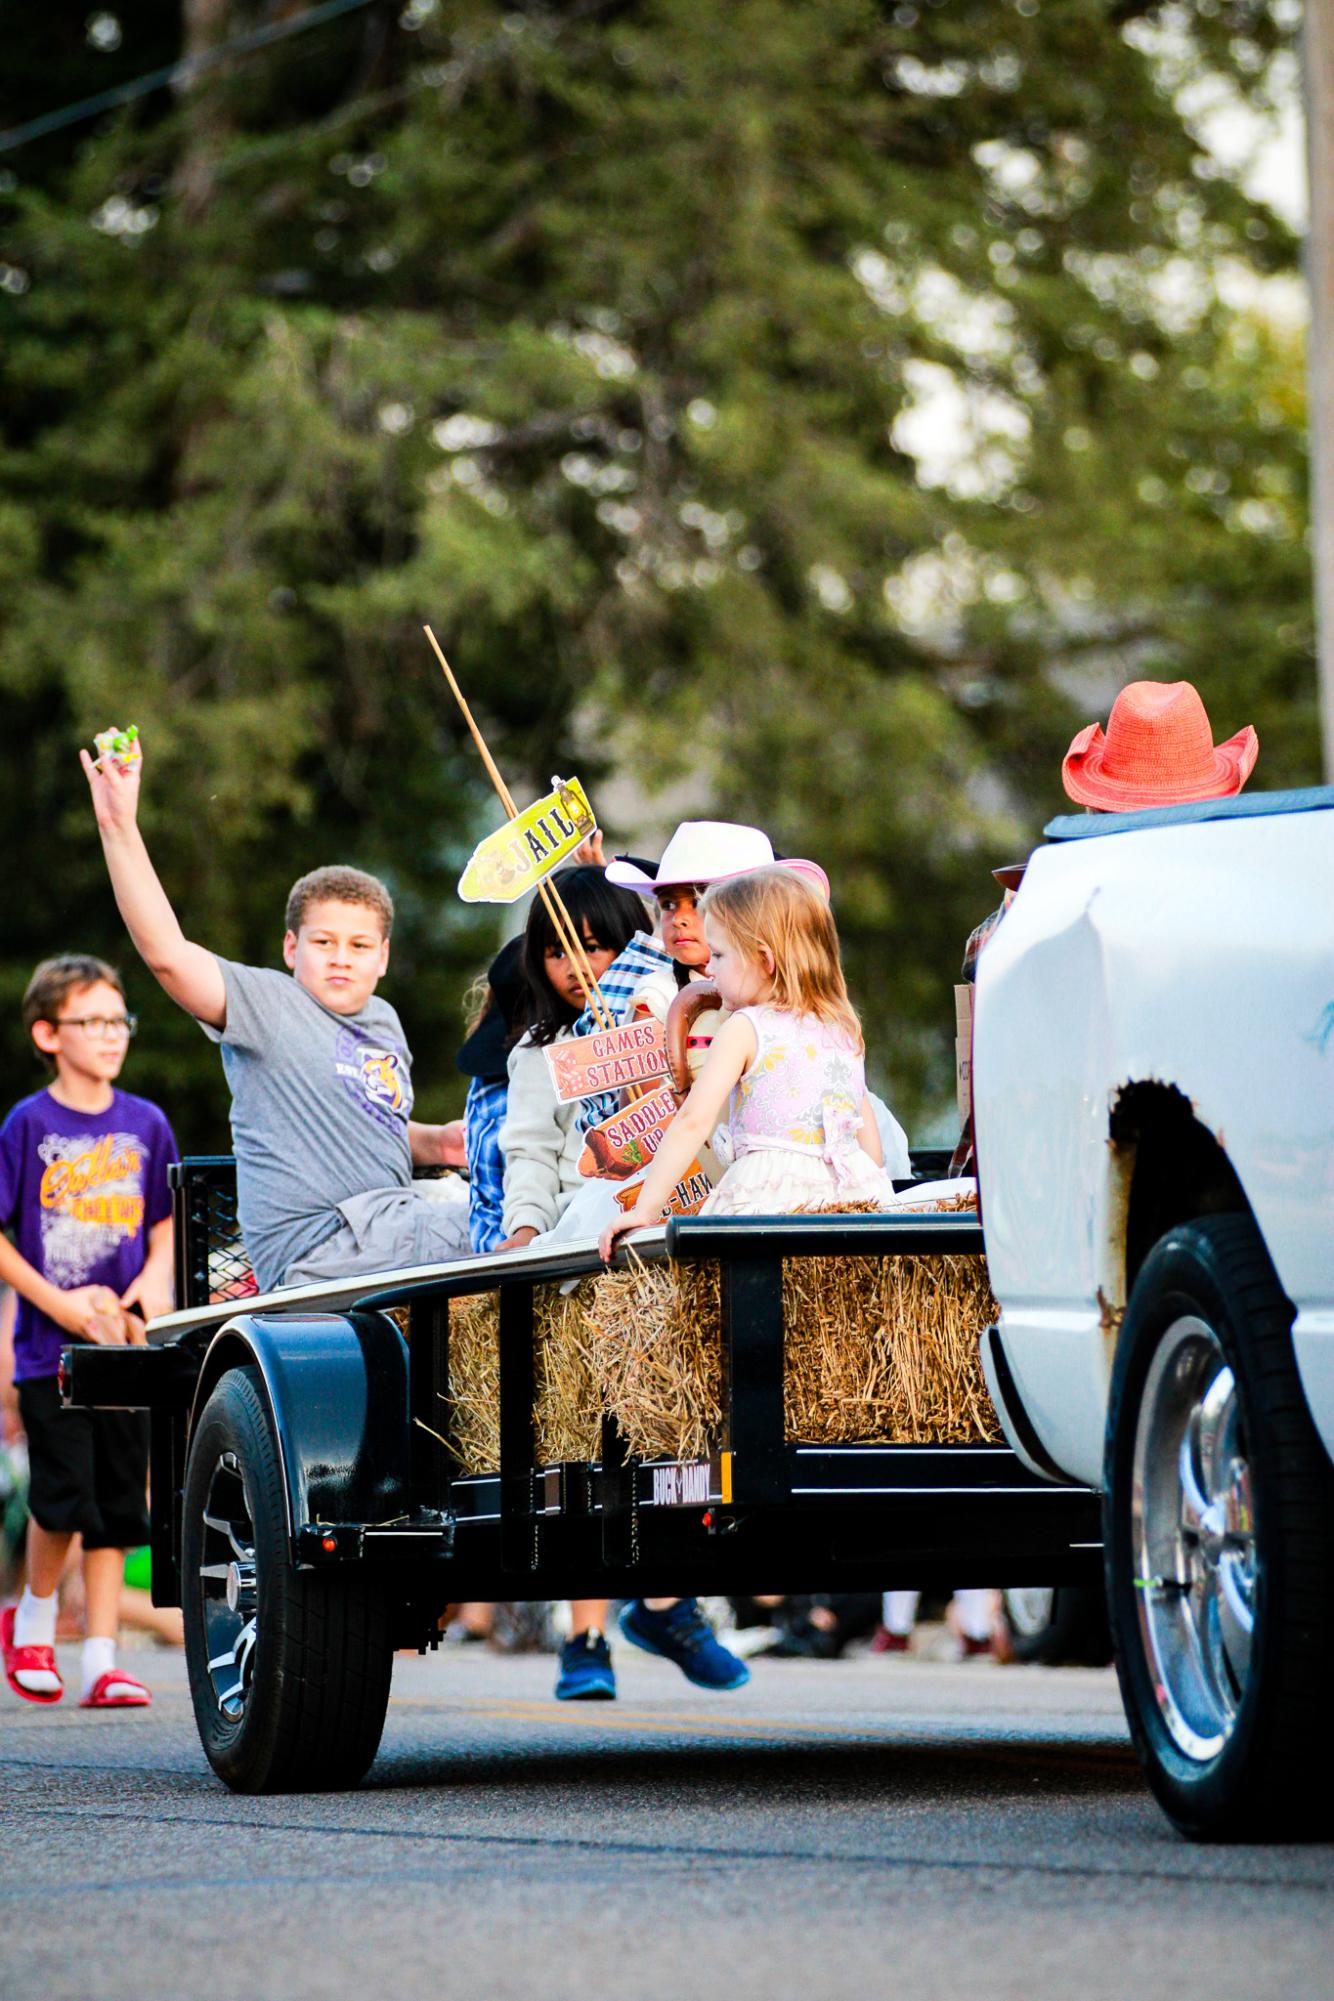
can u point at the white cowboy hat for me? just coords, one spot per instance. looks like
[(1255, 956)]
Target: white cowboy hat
[(699, 851), (705, 851)]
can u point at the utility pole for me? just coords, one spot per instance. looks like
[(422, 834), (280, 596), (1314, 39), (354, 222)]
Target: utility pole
[(1318, 73)]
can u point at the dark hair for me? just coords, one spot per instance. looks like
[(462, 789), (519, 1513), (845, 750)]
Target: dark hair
[(612, 917), (338, 884), (53, 983)]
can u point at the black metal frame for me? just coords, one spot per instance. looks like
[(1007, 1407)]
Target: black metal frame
[(760, 1513), (761, 1506)]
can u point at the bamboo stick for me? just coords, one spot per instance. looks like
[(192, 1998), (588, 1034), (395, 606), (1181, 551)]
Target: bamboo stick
[(550, 895)]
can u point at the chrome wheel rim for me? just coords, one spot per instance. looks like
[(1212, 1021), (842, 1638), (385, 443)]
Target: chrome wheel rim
[(228, 1587), (1193, 1531)]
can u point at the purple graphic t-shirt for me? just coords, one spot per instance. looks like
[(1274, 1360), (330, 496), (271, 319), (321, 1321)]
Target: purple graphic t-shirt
[(79, 1193)]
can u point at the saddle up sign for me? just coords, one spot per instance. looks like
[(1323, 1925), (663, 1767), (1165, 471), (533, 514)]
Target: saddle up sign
[(518, 855), (625, 1143)]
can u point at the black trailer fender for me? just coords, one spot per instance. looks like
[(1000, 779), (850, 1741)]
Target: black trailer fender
[(336, 1385)]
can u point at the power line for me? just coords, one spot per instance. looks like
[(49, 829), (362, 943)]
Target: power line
[(180, 72)]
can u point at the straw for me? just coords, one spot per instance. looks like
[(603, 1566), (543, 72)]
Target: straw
[(877, 1351), (567, 1403)]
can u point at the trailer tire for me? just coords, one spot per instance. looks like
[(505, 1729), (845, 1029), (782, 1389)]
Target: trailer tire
[(289, 1670), (1219, 1539)]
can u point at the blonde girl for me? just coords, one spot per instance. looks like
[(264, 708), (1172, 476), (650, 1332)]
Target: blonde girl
[(790, 1059)]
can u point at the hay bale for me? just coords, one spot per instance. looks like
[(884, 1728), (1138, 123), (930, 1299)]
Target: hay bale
[(877, 1350), (886, 1350), (474, 1382), (567, 1404), (654, 1343)]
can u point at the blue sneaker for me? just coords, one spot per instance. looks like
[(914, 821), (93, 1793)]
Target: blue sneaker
[(586, 1673), (682, 1634)]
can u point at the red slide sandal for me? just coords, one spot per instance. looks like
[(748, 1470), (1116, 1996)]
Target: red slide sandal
[(27, 1660), (116, 1690)]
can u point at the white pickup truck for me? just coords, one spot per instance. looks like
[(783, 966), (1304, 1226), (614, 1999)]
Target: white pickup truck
[(1153, 1074)]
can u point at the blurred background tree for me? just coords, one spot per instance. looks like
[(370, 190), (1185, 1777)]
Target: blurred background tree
[(803, 413)]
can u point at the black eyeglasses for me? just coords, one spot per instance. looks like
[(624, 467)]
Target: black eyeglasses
[(100, 1026)]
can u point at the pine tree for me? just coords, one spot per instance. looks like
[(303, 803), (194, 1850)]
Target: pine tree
[(614, 339)]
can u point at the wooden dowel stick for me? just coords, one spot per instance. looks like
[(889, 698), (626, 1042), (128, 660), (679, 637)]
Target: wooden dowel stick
[(477, 736), (574, 945), (550, 895)]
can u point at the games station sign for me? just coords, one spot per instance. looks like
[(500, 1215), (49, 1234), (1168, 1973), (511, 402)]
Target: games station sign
[(586, 1065)]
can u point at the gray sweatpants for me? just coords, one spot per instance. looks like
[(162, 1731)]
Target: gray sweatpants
[(390, 1229)]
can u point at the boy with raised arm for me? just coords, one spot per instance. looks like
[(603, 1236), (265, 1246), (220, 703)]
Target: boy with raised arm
[(317, 1064)]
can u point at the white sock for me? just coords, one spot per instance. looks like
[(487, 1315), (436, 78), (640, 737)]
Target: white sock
[(35, 1626), (35, 1621), (898, 1611), (99, 1658), (973, 1609)]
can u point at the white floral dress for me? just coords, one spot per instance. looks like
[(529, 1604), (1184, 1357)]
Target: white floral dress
[(795, 1115)]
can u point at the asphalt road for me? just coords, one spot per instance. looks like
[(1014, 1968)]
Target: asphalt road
[(897, 1828)]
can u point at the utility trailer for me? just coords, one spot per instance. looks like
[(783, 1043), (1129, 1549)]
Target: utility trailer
[(309, 1514)]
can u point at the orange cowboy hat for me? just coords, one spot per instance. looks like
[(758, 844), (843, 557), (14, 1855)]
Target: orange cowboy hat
[(1159, 750)]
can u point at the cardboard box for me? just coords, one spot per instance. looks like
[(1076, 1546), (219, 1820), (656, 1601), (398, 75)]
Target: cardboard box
[(963, 1051)]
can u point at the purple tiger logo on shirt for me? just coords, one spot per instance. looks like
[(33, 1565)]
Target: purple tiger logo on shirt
[(374, 1075)]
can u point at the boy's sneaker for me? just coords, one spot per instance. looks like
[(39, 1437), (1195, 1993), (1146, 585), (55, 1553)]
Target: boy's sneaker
[(682, 1634), (586, 1673)]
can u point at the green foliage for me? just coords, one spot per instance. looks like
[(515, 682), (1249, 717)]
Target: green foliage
[(608, 338)]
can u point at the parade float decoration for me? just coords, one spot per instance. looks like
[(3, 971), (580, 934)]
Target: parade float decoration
[(621, 1147), (613, 1060), (877, 1350), (513, 860)]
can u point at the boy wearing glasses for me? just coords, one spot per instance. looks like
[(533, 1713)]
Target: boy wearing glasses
[(83, 1192)]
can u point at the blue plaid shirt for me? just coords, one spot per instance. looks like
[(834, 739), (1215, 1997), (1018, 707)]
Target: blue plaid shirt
[(643, 955), (483, 1116)]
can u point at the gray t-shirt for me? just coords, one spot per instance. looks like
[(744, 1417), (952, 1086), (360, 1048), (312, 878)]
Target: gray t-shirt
[(320, 1109)]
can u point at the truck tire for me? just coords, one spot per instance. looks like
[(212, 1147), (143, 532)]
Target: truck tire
[(1219, 1538), (289, 1670), (1059, 1625)]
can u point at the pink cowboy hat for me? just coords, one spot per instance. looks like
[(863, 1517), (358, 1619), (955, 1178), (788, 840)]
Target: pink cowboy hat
[(1159, 750)]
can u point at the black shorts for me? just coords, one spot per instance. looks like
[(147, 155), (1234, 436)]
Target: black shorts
[(87, 1469)]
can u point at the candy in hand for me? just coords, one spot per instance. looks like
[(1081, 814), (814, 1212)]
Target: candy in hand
[(119, 747)]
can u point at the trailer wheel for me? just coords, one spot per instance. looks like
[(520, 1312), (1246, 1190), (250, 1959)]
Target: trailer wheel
[(1219, 1537), (289, 1670)]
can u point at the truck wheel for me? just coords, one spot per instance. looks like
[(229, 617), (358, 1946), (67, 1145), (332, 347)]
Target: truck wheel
[(289, 1670), (1063, 1625), (1219, 1538)]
